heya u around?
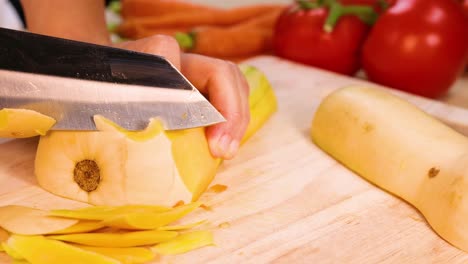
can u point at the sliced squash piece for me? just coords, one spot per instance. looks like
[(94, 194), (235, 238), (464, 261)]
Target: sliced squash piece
[(23, 123), (106, 212), (401, 149), (120, 239), (185, 243), (114, 166), (29, 221), (150, 220), (40, 250), (130, 255)]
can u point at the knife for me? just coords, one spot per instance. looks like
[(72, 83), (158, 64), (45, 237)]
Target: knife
[(72, 81)]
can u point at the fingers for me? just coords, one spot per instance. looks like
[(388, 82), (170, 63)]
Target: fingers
[(222, 81), (228, 91), (161, 45)]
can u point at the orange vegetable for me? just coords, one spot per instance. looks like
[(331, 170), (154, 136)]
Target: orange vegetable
[(140, 8), (232, 34), (199, 18), (236, 41), (137, 31)]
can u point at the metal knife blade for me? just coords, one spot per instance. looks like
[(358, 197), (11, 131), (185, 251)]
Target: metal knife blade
[(72, 81)]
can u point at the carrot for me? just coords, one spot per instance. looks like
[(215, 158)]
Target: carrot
[(131, 29), (136, 31), (251, 37), (267, 20), (232, 42), (208, 17), (141, 8)]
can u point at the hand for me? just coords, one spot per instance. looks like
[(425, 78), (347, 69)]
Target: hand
[(221, 81)]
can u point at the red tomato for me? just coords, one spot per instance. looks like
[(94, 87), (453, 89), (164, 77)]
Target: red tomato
[(299, 36), (419, 46)]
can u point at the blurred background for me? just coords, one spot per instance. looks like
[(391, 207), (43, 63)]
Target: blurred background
[(242, 29)]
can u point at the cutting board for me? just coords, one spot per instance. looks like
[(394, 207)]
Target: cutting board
[(287, 201)]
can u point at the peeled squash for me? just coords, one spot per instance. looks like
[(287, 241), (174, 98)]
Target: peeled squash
[(401, 149), (113, 166)]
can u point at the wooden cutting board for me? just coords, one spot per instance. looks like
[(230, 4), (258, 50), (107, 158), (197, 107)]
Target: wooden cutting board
[(287, 201)]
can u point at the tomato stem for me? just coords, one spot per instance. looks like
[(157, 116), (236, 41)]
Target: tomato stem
[(336, 10), (367, 14), (305, 4), (383, 4)]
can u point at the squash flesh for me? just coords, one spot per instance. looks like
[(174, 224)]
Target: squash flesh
[(401, 149)]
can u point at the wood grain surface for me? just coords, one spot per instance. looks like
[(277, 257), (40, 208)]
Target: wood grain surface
[(287, 201)]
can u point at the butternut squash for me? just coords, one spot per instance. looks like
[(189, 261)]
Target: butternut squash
[(113, 166), (402, 150)]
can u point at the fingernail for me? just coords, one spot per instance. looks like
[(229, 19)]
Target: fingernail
[(222, 145), (233, 147)]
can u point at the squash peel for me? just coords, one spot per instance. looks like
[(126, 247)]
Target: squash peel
[(185, 242), (12, 252), (130, 255), (33, 249), (29, 221), (117, 239), (80, 227), (108, 245), (182, 227), (150, 220), (23, 123), (105, 212)]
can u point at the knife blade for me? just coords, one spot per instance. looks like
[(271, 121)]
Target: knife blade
[(72, 81)]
